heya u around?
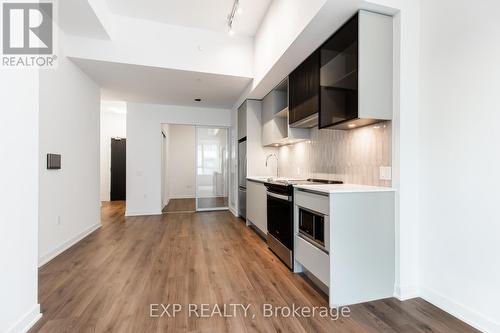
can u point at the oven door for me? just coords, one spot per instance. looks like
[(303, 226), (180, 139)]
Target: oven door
[(279, 218)]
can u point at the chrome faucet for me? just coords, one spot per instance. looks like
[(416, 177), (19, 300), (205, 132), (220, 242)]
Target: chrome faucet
[(277, 162)]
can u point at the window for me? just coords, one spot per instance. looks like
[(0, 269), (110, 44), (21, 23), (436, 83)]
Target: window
[(208, 158)]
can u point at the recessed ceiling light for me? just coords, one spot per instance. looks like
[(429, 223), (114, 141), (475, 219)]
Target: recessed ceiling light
[(239, 11), (197, 99), (351, 125), (231, 32)]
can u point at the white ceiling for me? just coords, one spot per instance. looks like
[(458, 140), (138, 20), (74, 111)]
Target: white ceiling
[(143, 84), (76, 17), (203, 14)]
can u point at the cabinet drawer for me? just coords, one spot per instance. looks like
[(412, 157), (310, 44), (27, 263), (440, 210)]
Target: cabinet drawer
[(313, 259), (315, 202)]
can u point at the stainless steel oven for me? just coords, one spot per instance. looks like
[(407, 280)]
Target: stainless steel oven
[(313, 227)]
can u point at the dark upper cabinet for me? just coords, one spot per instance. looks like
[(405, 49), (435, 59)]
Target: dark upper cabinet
[(356, 73), (339, 76), (303, 93)]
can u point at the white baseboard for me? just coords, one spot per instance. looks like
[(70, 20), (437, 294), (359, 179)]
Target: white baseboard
[(404, 293), (128, 213), (232, 210), (27, 321), (461, 311), (66, 245)]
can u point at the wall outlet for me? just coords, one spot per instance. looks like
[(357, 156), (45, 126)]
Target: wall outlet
[(385, 173)]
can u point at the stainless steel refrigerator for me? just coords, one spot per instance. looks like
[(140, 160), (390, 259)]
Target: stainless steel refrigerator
[(242, 178)]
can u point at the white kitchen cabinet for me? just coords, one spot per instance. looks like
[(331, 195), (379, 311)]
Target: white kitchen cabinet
[(275, 123), (257, 205), (273, 127), (242, 121)]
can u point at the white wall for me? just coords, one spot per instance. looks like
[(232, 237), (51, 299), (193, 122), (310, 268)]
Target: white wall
[(19, 307), (460, 159), (69, 206), (113, 124), (405, 171), (283, 22), (181, 161), (144, 148)]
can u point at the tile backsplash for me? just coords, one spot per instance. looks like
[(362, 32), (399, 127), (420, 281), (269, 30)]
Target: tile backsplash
[(353, 156)]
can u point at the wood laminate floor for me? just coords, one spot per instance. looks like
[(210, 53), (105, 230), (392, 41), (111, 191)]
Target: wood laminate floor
[(189, 205), (180, 205), (106, 282), (212, 202)]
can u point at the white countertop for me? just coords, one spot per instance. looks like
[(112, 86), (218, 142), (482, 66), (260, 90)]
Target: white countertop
[(330, 188), (266, 178), (343, 188), (259, 179)]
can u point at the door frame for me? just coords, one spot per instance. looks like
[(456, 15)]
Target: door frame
[(227, 128), (164, 161)]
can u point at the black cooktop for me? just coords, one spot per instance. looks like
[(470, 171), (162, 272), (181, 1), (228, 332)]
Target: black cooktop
[(310, 181), (286, 185)]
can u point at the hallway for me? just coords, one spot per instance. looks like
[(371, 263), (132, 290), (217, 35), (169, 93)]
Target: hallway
[(107, 282)]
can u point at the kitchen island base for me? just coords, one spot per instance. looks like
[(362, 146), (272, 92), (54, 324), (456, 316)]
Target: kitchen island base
[(357, 260)]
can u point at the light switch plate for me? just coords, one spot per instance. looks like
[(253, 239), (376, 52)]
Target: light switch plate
[(385, 173)]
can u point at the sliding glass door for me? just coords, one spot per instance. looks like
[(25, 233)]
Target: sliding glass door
[(212, 168)]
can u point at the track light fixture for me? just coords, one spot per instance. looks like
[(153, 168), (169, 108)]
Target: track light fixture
[(230, 18)]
